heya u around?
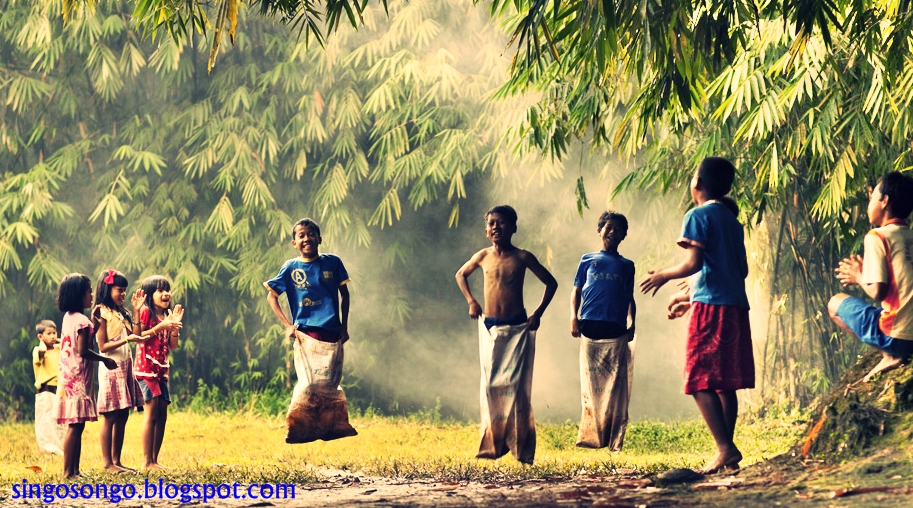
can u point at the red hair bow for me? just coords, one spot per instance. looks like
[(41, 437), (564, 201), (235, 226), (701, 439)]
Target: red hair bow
[(109, 279)]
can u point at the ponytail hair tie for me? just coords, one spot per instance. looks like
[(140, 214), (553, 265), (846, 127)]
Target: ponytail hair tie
[(109, 279)]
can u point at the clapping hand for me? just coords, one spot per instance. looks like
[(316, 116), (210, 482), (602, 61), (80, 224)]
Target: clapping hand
[(849, 271), (173, 319), (177, 315), (137, 300)]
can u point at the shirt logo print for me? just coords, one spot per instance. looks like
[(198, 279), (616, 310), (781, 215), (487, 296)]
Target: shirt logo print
[(300, 278)]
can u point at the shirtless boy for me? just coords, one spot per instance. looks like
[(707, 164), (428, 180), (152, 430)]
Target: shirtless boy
[(507, 339), (504, 266)]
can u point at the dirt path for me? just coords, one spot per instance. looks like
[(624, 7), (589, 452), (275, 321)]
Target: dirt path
[(879, 480), (874, 481)]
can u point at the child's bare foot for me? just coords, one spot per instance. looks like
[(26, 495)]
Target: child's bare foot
[(154, 466), (128, 468), (114, 469), (887, 363), (728, 459)]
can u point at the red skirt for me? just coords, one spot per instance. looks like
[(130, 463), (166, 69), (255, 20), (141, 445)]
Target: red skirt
[(719, 354)]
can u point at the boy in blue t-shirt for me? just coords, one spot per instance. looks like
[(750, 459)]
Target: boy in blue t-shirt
[(318, 296), (601, 303), (318, 299), (719, 358), (603, 293)]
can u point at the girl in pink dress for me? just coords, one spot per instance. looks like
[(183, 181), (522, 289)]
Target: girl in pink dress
[(74, 382), (118, 391)]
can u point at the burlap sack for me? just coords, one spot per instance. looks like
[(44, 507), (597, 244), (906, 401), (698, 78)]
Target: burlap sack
[(606, 372), (506, 356), (318, 409)]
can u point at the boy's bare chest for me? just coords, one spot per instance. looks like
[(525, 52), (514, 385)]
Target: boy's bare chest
[(505, 270)]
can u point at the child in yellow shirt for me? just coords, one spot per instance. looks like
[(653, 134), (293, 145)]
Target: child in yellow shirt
[(46, 363)]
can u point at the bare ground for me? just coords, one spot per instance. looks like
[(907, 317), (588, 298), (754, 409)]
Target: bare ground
[(878, 480), (884, 479)]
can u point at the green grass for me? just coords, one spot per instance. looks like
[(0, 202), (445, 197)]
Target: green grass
[(246, 448)]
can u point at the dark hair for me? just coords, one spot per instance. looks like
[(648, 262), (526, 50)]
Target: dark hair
[(505, 211), (43, 325), (612, 215), (899, 189), (306, 222), (730, 203), (150, 285), (717, 175), (103, 291), (72, 291)]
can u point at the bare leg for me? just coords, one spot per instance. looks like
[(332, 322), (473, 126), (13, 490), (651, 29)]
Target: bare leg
[(887, 362), (71, 450), (711, 407), (832, 305), (149, 423), (730, 403), (117, 437), (160, 428), (78, 451), (108, 422)]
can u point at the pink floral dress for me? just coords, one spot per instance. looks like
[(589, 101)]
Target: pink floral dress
[(75, 390)]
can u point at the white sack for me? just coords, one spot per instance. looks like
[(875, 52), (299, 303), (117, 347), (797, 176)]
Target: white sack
[(506, 355), (606, 372), (48, 433)]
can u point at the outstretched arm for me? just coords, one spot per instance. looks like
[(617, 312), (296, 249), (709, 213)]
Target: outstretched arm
[(105, 343), (82, 347), (694, 260), (551, 286), (462, 280)]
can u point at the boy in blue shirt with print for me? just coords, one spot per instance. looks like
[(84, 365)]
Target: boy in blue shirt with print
[(603, 296), (719, 359), (318, 299), (604, 285)]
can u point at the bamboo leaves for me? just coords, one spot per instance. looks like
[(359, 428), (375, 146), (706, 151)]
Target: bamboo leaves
[(387, 211), (128, 153), (22, 91)]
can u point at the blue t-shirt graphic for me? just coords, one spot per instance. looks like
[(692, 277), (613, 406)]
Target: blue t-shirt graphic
[(714, 229), (312, 288), (607, 287)]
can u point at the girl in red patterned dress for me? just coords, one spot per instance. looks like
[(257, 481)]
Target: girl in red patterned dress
[(118, 391), (76, 404), (160, 326)]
